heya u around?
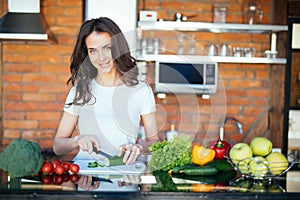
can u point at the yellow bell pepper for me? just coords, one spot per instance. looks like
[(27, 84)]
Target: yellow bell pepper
[(202, 155)]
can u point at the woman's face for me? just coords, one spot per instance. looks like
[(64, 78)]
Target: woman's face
[(99, 51)]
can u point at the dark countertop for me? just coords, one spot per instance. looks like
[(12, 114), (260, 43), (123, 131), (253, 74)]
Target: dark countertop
[(157, 186), (153, 185)]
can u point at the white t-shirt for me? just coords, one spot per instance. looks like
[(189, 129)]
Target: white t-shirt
[(114, 118)]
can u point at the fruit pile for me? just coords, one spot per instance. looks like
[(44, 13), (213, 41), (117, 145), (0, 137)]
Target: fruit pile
[(257, 159)]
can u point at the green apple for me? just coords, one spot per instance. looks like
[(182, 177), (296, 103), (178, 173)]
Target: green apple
[(258, 166), (240, 151), (277, 163), (261, 146), (243, 166), (240, 154)]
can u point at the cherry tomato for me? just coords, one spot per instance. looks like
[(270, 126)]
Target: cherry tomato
[(55, 163), (47, 168), (59, 169), (66, 166), (74, 168), (74, 177)]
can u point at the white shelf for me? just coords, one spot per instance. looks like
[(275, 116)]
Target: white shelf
[(212, 27), (218, 59)]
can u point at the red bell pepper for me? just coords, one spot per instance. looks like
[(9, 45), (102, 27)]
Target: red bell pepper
[(225, 144), (221, 148)]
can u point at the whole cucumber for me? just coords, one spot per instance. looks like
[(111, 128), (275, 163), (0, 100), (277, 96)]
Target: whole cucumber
[(179, 169), (200, 170), (221, 165)]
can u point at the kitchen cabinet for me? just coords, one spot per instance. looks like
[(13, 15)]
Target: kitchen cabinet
[(214, 28)]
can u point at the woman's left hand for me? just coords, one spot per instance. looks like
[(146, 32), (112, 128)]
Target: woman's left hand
[(130, 152)]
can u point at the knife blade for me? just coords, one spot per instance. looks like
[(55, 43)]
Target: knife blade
[(102, 153), (100, 158)]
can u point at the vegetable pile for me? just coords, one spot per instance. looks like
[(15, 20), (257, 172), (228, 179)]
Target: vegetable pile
[(21, 158), (59, 167), (169, 154), (57, 172), (190, 161)]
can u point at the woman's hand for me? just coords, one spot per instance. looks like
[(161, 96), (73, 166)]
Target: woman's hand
[(87, 143), (130, 152)]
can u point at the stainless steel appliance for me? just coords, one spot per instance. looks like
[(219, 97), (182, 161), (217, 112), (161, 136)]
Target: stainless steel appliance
[(173, 76)]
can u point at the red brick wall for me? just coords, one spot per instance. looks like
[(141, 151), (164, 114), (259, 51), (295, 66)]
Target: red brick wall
[(34, 74)]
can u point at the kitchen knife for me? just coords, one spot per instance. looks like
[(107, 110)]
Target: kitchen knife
[(100, 158), (103, 155)]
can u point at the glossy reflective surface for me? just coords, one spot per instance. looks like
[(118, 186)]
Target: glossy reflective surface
[(151, 184)]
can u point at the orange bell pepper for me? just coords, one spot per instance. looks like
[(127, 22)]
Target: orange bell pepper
[(202, 155)]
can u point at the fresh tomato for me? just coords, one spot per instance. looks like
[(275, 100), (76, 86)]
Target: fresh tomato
[(47, 168), (74, 168), (55, 163), (59, 169), (66, 166)]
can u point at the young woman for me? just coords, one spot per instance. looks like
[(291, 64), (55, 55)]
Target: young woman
[(106, 102)]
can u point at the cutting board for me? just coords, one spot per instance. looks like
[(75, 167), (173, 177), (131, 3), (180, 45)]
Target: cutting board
[(135, 168)]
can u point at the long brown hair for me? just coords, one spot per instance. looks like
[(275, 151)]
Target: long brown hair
[(83, 71)]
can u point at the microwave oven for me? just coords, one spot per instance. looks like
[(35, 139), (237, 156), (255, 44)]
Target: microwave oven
[(186, 77)]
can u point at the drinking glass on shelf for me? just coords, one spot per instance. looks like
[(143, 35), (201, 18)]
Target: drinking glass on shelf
[(180, 39)]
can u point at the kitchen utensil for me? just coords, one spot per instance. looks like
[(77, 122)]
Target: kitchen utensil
[(100, 158), (135, 168), (245, 169)]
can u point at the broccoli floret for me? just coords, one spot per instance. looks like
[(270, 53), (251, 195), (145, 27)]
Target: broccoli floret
[(21, 158)]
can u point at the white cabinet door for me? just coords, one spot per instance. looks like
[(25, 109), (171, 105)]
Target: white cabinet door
[(122, 12), (294, 124)]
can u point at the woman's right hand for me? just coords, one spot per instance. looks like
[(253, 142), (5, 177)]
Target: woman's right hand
[(87, 142)]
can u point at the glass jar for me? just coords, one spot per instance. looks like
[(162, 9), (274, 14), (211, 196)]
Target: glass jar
[(252, 13)]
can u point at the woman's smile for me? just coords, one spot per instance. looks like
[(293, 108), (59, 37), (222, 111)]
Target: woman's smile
[(99, 51)]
